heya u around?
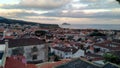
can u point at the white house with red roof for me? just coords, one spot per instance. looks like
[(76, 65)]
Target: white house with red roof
[(67, 52)]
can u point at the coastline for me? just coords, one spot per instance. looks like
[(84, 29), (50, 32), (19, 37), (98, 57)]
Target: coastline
[(92, 26)]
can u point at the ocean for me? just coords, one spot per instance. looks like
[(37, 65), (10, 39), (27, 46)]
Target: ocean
[(92, 26)]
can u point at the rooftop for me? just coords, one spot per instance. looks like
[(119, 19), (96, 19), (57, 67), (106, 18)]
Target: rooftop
[(78, 63), (31, 66), (13, 63), (2, 47), (67, 49), (81, 63), (52, 64), (24, 42), (111, 65)]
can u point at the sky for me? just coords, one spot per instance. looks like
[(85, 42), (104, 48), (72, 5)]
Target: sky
[(60, 11)]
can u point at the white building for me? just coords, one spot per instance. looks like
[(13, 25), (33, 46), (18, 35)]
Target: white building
[(32, 48), (67, 52), (2, 55)]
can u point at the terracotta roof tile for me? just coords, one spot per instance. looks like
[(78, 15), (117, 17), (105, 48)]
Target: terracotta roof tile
[(9, 37), (25, 42), (12, 63), (31, 66)]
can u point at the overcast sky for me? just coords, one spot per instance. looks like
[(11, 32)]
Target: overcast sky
[(59, 11)]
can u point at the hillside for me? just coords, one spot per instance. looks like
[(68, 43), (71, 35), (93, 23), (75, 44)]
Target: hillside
[(21, 22)]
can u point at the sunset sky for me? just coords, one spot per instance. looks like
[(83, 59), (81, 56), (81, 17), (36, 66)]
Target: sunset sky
[(59, 11)]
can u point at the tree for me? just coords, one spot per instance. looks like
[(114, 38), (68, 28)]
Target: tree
[(96, 33), (62, 39), (79, 39), (57, 58), (118, 1), (111, 58), (70, 37), (40, 33)]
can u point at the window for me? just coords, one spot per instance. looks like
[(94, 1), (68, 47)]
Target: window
[(66, 53), (34, 57), (34, 49), (67, 57), (28, 55), (1, 55), (18, 51)]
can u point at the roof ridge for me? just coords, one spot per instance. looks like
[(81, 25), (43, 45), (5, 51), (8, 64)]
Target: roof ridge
[(78, 59), (112, 64)]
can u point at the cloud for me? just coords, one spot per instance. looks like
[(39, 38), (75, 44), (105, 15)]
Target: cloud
[(1, 5), (41, 18), (89, 13), (39, 4), (100, 4), (93, 4), (63, 10), (9, 13), (20, 13)]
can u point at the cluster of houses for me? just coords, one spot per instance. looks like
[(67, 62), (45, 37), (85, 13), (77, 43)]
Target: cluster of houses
[(88, 44), (80, 47)]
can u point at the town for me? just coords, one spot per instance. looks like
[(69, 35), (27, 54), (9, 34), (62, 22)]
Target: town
[(31, 46)]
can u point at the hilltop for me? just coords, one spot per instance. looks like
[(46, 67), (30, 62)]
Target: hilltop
[(21, 22)]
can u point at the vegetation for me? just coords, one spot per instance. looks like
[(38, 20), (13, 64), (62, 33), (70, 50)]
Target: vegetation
[(70, 38), (40, 33), (111, 58), (55, 57), (96, 33), (118, 1), (21, 22)]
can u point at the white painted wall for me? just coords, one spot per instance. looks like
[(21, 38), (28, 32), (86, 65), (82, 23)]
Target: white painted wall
[(78, 53), (68, 54), (27, 52)]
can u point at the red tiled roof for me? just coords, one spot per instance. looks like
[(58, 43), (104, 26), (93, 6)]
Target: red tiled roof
[(1, 67), (97, 59), (25, 42), (1, 30), (9, 37), (31, 66), (108, 47), (12, 63)]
